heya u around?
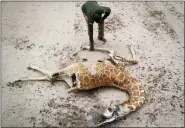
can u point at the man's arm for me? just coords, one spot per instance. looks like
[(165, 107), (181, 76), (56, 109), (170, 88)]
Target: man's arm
[(107, 12)]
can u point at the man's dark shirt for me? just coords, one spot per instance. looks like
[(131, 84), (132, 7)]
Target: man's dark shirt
[(91, 7)]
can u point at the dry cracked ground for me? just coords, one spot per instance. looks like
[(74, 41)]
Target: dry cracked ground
[(47, 34)]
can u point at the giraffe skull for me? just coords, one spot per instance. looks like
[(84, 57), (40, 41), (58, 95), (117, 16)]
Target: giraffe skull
[(110, 114)]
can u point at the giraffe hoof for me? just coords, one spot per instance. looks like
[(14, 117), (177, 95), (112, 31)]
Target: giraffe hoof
[(55, 75), (72, 90), (18, 80), (69, 91)]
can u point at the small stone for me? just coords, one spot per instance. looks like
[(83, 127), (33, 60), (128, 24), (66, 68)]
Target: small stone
[(84, 59)]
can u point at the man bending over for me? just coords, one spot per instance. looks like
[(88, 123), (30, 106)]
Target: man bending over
[(92, 11)]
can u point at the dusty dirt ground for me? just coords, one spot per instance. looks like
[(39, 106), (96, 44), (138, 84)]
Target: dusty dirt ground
[(47, 34)]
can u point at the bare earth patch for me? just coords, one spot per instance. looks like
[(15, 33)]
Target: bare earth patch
[(48, 35)]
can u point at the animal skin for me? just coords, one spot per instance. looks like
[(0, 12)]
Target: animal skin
[(109, 72)]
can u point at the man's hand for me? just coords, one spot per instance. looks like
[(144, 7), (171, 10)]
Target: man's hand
[(101, 21), (91, 46)]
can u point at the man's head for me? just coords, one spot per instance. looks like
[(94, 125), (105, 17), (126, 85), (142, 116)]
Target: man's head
[(97, 18)]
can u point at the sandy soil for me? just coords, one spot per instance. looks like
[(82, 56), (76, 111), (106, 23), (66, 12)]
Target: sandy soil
[(47, 34)]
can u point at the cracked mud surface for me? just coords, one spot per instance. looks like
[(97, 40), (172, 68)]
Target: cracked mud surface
[(36, 33)]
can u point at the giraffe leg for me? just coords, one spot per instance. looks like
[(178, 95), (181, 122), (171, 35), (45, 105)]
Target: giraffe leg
[(74, 89), (45, 78), (48, 76), (119, 61), (132, 51), (112, 53), (44, 72), (29, 79), (105, 50), (96, 49), (123, 59), (63, 78), (115, 58), (133, 60), (71, 68)]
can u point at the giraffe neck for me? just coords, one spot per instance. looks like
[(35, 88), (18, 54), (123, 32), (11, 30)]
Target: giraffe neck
[(133, 88)]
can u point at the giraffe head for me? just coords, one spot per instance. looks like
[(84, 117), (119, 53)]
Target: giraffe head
[(114, 112)]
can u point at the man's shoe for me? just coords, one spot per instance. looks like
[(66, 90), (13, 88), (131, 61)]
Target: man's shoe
[(102, 39)]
